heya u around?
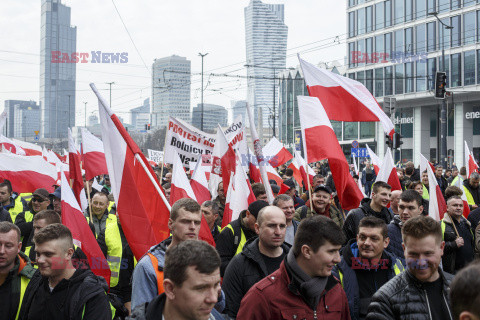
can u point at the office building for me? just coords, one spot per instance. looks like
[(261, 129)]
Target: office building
[(26, 119), (213, 115), (140, 116)]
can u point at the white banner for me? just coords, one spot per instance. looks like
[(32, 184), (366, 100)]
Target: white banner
[(155, 155)]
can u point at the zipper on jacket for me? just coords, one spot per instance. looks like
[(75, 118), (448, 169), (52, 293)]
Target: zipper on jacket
[(428, 304), (315, 314), (448, 308)]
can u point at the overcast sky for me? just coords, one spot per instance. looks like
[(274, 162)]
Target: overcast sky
[(159, 28)]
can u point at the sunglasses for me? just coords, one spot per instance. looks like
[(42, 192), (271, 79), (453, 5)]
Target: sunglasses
[(38, 200)]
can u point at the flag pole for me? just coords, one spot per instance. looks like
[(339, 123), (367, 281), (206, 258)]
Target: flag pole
[(89, 203), (257, 148), (453, 224), (306, 168), (163, 158)]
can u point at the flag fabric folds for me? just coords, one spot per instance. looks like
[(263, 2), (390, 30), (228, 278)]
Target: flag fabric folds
[(388, 172), (436, 206), (374, 160), (93, 152), (470, 163), (276, 153), (75, 170)]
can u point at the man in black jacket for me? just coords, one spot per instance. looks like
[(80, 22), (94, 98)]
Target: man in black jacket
[(64, 292), (377, 207), (421, 292), (442, 182), (260, 257)]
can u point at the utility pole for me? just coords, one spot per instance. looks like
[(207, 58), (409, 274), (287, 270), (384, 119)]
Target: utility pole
[(201, 117), (443, 110), (85, 114), (110, 84)]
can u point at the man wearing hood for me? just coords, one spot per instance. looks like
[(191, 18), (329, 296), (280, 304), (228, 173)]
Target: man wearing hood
[(366, 266), (64, 292), (303, 287), (260, 257), (321, 200), (376, 206)]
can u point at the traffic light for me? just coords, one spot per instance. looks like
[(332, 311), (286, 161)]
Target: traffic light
[(389, 141), (440, 85), (397, 140), (147, 126)]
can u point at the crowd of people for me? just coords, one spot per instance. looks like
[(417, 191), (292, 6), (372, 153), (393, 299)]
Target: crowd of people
[(301, 257)]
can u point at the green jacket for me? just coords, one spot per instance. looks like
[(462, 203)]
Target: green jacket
[(330, 210)]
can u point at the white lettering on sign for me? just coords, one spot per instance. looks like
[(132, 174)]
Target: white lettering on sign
[(399, 120), (472, 115)]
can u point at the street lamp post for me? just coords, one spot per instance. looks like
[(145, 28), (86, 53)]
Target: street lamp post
[(201, 117), (85, 114), (443, 110), (110, 84)]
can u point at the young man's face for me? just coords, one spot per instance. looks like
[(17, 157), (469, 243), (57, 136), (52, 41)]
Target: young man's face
[(9, 249), (371, 242), (39, 204), (263, 197), (425, 178), (39, 225), (186, 226), (321, 262), (271, 232), (197, 295), (320, 199), (209, 216), (287, 208), (381, 197), (423, 257), (408, 210), (4, 194), (52, 257)]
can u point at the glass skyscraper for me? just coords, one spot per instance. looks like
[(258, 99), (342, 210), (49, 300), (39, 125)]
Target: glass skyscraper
[(266, 44), (57, 80)]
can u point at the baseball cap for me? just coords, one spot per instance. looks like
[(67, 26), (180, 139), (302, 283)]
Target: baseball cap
[(322, 187), (41, 193), (255, 207), (289, 183), (57, 193)]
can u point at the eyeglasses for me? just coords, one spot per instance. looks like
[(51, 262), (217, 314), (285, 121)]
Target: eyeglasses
[(38, 200)]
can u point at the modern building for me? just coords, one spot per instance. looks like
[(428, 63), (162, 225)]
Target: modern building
[(14, 125), (394, 48), (239, 108), (57, 80), (266, 46), (140, 116), (213, 115), (92, 120), (170, 90)]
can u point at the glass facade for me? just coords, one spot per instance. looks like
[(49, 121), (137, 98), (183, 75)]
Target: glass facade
[(469, 67)]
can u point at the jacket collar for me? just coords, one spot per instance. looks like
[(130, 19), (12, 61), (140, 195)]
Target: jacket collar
[(448, 219)]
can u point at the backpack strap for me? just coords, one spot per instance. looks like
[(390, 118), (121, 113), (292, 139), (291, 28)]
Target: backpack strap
[(303, 213)]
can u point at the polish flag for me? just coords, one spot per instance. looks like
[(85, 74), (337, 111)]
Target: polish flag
[(181, 189), (199, 181), (254, 172), (30, 148), (303, 173), (343, 99), (11, 146), (141, 205), (374, 159), (83, 237), (273, 174), (466, 208), (276, 153), (436, 206), (470, 163), (315, 124), (75, 176), (227, 212), (388, 172), (94, 161), (219, 150), (296, 170), (239, 194), (27, 173)]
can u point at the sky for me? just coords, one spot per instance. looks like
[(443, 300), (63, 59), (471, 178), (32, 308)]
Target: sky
[(159, 28)]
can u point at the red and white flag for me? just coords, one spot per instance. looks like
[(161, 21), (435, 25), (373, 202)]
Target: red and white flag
[(273, 174), (388, 172), (302, 165), (315, 124), (470, 163), (30, 148), (276, 153), (6, 143), (141, 205), (94, 162), (199, 181), (75, 177), (27, 173), (295, 166), (374, 160), (436, 205), (223, 163), (83, 237), (343, 99)]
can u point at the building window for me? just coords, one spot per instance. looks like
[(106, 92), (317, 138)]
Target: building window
[(351, 3), (379, 82), (352, 75), (478, 24), (469, 27), (443, 5), (420, 39), (421, 76), (476, 124), (350, 130), (469, 67), (361, 21), (444, 34), (369, 17), (389, 81), (369, 80), (337, 128), (351, 50), (351, 24), (399, 77), (369, 51), (420, 9), (408, 10), (431, 6), (409, 41), (361, 49), (456, 78), (406, 129), (456, 32), (361, 77), (409, 74), (431, 37), (478, 66), (379, 44), (434, 119), (388, 13), (399, 11), (367, 130), (388, 43), (379, 15), (456, 4), (468, 3), (398, 42)]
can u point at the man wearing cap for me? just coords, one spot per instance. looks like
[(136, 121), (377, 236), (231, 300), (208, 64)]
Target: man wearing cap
[(233, 237), (297, 201), (56, 198), (40, 201), (322, 195)]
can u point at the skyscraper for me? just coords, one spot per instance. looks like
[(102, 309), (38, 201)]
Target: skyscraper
[(170, 90), (213, 115), (266, 43), (14, 123), (57, 80), (239, 108)]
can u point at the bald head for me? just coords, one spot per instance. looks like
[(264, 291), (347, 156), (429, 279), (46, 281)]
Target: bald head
[(268, 212), (271, 227), (394, 199)]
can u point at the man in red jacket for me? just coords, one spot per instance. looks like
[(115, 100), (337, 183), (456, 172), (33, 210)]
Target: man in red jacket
[(303, 287)]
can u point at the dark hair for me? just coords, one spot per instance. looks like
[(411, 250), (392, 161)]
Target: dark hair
[(463, 170), (7, 226), (187, 204), (413, 184), (409, 170), (315, 231), (211, 204), (464, 293), (195, 253), (289, 172), (380, 184), (49, 216), (456, 197), (421, 227), (318, 176), (7, 184), (452, 191), (53, 232), (281, 197), (355, 176), (258, 189), (410, 196), (167, 185), (374, 222)]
